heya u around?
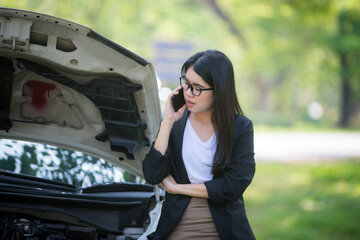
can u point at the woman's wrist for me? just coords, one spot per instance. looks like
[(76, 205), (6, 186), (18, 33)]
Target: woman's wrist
[(166, 125), (193, 190), (162, 139)]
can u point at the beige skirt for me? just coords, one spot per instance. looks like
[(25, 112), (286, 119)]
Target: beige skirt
[(196, 223)]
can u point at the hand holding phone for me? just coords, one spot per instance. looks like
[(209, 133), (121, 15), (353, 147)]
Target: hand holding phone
[(178, 100)]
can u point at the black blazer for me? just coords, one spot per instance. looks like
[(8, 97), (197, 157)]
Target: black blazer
[(225, 193)]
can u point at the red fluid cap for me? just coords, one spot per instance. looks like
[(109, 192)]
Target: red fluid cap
[(38, 89)]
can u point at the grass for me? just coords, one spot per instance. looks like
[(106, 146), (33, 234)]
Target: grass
[(305, 201)]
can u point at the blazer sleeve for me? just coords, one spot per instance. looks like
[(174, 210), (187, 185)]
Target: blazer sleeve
[(156, 166), (232, 184)]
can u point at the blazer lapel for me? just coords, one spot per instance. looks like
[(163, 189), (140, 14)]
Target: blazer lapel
[(179, 129)]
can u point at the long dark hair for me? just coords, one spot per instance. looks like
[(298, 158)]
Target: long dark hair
[(217, 70)]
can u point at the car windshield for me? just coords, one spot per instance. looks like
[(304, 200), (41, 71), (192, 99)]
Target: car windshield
[(59, 164)]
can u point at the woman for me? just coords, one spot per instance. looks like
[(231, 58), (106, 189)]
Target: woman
[(203, 156)]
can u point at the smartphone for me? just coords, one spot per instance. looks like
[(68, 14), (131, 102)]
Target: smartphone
[(178, 100)]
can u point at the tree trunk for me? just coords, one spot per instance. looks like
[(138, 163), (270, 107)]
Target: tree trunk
[(346, 108)]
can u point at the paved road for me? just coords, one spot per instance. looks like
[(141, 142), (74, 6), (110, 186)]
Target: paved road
[(294, 146)]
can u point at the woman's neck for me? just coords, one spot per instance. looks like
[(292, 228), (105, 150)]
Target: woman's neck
[(204, 118)]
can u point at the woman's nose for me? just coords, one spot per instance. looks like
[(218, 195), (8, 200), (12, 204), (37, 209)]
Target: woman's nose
[(188, 92)]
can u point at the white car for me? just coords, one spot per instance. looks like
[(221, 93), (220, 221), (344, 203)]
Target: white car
[(65, 85)]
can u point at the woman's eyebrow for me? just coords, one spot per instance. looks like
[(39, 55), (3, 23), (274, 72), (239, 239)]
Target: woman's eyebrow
[(197, 84)]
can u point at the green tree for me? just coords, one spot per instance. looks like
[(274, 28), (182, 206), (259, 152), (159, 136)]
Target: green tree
[(288, 57), (280, 48), (347, 46)]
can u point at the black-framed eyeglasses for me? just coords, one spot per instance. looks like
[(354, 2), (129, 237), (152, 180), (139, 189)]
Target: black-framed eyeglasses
[(195, 89)]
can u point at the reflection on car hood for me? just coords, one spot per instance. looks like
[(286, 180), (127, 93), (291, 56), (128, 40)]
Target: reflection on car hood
[(64, 84)]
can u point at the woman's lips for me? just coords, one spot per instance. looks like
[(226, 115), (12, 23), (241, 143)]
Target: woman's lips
[(189, 103)]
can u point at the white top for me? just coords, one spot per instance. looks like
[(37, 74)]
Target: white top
[(198, 155)]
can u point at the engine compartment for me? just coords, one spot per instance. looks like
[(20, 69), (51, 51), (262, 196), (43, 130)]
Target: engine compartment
[(18, 227), (33, 208)]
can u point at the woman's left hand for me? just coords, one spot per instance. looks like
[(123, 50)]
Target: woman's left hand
[(169, 184)]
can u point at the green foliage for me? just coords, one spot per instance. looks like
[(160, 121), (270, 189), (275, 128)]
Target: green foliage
[(289, 58), (305, 201), (349, 31)]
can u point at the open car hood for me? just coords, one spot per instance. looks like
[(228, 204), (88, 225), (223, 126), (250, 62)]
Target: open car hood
[(64, 84)]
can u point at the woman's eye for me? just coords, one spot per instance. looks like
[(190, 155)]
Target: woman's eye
[(197, 88)]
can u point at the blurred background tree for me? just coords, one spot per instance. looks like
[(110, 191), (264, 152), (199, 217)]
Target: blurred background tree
[(295, 61), (347, 46)]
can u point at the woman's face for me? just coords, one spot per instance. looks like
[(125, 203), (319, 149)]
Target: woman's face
[(202, 103)]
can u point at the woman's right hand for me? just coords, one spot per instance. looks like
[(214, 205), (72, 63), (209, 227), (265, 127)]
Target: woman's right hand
[(170, 115), (169, 118)]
